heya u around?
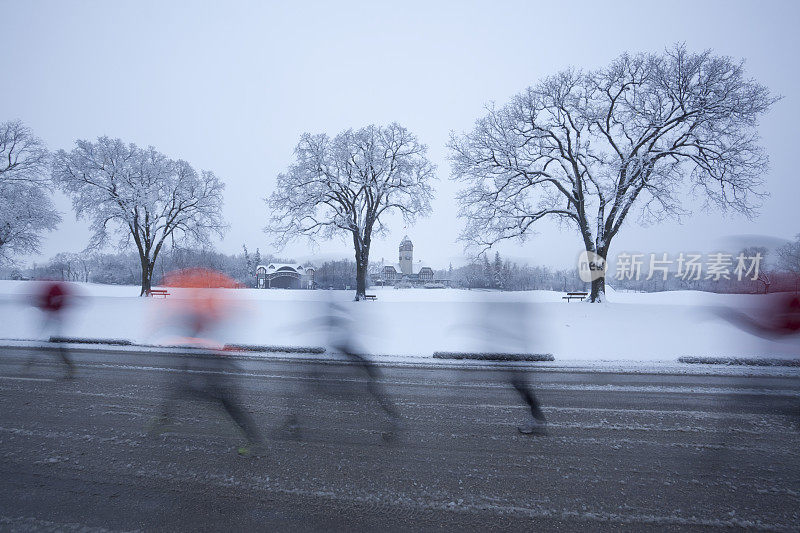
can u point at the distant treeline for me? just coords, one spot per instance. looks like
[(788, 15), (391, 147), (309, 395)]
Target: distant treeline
[(778, 271), (506, 275), (124, 269), (767, 282)]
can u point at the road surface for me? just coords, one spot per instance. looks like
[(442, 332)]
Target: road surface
[(624, 451)]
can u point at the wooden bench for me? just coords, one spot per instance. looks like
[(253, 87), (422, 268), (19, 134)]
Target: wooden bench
[(370, 297), (575, 295), (158, 292)]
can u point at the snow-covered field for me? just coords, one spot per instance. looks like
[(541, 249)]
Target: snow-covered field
[(417, 322)]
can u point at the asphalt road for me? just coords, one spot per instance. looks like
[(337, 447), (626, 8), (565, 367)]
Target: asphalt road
[(624, 451)]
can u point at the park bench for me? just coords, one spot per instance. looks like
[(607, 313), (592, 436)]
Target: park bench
[(159, 292), (575, 295), (370, 297)]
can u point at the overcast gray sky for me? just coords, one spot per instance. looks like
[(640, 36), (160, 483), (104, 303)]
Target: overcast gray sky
[(231, 86)]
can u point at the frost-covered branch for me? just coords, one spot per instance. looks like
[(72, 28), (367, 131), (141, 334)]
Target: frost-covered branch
[(23, 156), (25, 212)]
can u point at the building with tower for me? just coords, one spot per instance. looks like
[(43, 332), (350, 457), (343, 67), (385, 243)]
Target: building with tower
[(406, 272)]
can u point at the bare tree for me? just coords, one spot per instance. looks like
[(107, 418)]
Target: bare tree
[(765, 270), (25, 206), (25, 212), (789, 256), (142, 195), (71, 266), (587, 147), (347, 184)]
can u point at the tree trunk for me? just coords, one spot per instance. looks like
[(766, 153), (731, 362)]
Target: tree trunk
[(361, 280), (362, 263), (598, 293), (147, 277)]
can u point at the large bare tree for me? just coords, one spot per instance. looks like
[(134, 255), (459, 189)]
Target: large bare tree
[(588, 148), (348, 184), (141, 195), (25, 206)]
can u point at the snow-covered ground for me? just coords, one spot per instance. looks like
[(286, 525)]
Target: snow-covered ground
[(418, 322)]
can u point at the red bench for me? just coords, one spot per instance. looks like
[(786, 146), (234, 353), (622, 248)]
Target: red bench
[(158, 292)]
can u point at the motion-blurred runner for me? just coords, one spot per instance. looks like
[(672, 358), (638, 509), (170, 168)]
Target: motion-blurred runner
[(208, 372), (53, 298)]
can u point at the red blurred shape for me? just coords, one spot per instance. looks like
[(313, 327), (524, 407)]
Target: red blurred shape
[(201, 306), (53, 296), (199, 278), (786, 319), (775, 316)]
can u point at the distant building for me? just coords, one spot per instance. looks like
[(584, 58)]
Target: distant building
[(402, 272), (285, 276)]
